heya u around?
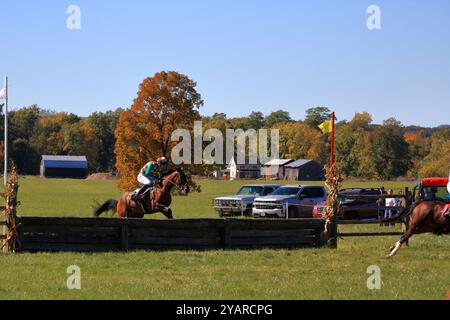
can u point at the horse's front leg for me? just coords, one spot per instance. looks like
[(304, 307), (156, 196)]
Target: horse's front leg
[(408, 234), (393, 250), (166, 211)]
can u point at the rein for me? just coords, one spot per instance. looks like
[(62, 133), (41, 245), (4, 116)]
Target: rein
[(172, 183)]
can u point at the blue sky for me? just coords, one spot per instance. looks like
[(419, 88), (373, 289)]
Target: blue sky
[(245, 55)]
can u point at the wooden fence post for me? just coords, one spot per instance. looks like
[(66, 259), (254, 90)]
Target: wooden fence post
[(124, 235), (11, 240), (333, 182), (225, 235)]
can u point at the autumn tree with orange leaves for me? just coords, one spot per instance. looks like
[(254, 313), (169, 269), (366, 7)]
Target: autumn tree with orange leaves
[(165, 102)]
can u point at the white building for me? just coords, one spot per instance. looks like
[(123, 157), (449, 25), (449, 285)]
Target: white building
[(243, 171)]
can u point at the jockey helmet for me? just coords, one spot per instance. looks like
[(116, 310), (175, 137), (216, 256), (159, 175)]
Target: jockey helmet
[(162, 161)]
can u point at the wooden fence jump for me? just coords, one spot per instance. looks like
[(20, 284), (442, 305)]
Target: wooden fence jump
[(38, 234)]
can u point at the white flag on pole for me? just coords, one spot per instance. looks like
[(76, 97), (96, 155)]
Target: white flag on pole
[(3, 93)]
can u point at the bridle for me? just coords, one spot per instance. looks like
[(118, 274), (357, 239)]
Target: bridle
[(172, 183)]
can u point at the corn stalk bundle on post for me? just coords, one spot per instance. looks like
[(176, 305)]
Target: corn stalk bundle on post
[(11, 243), (333, 182)]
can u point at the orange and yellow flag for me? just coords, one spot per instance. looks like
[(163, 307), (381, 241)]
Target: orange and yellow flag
[(327, 126)]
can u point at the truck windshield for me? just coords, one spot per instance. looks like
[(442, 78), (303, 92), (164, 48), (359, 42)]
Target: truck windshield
[(286, 191), (344, 199), (250, 190), (435, 194)]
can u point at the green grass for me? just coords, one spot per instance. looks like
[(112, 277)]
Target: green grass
[(421, 271), (43, 197)]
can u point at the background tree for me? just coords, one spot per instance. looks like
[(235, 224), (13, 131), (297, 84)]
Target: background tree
[(80, 139), (22, 126), (48, 135), (318, 115), (256, 120), (241, 123), (104, 126), (222, 116), (346, 137), (419, 148), (362, 120), (23, 122), (276, 117), (165, 102), (34, 131), (354, 141), (390, 151), (25, 157), (299, 141), (437, 163)]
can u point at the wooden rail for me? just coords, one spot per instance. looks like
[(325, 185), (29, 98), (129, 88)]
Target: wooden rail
[(368, 234), (102, 235), (365, 222), (397, 219)]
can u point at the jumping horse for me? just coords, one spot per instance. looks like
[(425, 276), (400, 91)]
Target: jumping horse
[(426, 217), (156, 200)]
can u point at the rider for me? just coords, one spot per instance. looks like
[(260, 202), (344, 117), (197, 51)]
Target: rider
[(430, 194), (149, 174)]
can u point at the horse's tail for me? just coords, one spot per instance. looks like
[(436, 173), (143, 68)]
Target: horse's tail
[(404, 215), (110, 205)]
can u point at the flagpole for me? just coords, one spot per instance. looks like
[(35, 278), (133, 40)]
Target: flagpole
[(5, 176), (333, 119)]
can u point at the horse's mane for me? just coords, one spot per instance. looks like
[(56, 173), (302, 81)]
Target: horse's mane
[(179, 170)]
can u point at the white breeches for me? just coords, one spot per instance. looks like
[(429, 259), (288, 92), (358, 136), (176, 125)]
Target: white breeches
[(143, 179)]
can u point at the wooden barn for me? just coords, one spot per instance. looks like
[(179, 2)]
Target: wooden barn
[(275, 169), (73, 167), (304, 170)]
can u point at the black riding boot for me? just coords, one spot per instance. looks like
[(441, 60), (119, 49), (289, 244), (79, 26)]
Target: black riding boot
[(140, 194)]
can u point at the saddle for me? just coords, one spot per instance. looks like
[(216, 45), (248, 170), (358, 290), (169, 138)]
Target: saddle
[(143, 202)]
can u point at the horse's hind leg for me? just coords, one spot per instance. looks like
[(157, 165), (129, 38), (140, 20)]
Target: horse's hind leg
[(168, 213), (407, 224)]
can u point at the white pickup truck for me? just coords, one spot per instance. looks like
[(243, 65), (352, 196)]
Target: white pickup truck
[(296, 200), (241, 204)]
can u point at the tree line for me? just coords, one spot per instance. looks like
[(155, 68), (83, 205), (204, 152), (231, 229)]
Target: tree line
[(124, 139), (33, 132), (363, 149)]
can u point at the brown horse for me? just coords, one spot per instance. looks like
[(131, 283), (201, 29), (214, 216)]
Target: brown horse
[(157, 200), (426, 217)]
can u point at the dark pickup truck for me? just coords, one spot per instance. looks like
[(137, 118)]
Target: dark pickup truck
[(365, 209)]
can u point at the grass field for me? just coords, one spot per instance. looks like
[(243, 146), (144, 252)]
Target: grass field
[(421, 271)]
